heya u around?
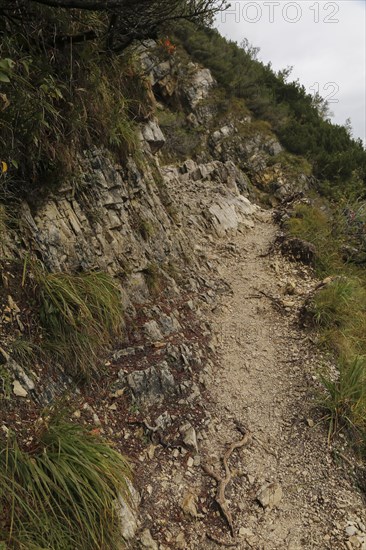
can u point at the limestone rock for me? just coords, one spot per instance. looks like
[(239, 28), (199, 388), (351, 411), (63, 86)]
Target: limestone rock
[(270, 495), (181, 541), (189, 437), (153, 135), (151, 384), (26, 382), (127, 513), (153, 331), (169, 324), (198, 86), (147, 541), (189, 504), (18, 389)]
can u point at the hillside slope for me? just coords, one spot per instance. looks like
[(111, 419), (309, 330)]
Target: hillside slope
[(128, 215)]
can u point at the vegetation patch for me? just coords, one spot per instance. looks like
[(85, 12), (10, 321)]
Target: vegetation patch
[(345, 400), (80, 316), (61, 490), (339, 307), (182, 140), (314, 223), (294, 165), (153, 278)]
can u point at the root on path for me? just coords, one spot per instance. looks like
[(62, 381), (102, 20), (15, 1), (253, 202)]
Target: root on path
[(223, 481)]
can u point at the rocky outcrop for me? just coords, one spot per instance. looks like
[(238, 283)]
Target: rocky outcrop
[(152, 134), (198, 85), (124, 220)]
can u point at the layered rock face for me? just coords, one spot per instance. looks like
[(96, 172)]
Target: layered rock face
[(151, 218), (122, 219)]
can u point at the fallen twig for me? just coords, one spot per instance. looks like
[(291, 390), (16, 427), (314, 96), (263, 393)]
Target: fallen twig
[(222, 482)]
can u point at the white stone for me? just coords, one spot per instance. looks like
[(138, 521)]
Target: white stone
[(18, 389), (127, 513), (270, 495), (147, 541)]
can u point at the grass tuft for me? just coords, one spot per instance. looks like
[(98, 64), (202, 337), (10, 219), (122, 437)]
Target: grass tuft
[(335, 305), (345, 401), (61, 492), (80, 314), (339, 307), (314, 224)]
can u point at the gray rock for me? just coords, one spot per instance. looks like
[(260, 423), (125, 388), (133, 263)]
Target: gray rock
[(270, 495), (26, 382), (169, 324), (198, 86), (147, 541), (127, 513), (151, 384), (153, 135), (123, 353), (351, 530), (152, 331), (189, 437), (273, 147)]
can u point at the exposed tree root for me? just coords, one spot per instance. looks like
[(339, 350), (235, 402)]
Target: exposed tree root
[(275, 301), (223, 481)]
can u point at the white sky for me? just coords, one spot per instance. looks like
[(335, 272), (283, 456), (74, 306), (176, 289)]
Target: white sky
[(324, 41)]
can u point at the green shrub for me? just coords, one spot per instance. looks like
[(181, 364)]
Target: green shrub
[(60, 493)]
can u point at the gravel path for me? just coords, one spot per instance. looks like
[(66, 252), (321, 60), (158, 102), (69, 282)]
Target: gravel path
[(266, 381)]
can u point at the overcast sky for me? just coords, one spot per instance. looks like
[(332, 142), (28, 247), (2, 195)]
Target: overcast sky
[(324, 41)]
